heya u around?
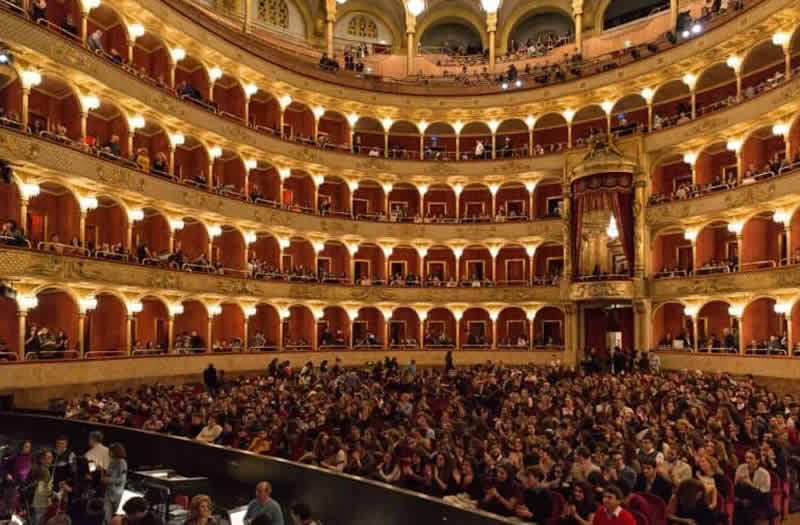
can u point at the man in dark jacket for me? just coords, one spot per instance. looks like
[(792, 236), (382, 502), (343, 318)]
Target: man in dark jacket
[(210, 378)]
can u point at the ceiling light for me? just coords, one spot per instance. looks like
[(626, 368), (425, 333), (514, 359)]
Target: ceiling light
[(136, 30), (415, 7), (178, 54)]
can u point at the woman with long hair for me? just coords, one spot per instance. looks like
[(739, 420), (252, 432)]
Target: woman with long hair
[(691, 504), (40, 483)]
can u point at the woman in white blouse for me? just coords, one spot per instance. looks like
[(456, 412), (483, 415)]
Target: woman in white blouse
[(752, 491)]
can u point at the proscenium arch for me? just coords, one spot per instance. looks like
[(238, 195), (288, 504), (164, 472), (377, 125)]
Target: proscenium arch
[(430, 18), (523, 10), (362, 6)]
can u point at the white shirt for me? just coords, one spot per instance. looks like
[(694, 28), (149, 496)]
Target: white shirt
[(99, 456)]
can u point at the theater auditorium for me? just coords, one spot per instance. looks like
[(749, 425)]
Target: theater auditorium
[(394, 262)]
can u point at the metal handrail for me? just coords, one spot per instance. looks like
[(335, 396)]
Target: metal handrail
[(103, 353), (46, 245), (103, 254), (263, 348), (15, 239), (53, 353), (759, 265), (148, 351)]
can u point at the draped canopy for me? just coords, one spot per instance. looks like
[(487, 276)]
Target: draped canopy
[(606, 191)]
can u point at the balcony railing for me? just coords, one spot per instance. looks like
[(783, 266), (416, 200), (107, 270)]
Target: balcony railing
[(305, 61), (213, 109)]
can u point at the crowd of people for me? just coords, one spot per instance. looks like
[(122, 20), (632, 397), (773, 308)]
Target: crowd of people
[(684, 189), (526, 441), (54, 484)]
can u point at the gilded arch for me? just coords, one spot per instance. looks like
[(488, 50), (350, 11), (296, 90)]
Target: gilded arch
[(523, 11), (468, 16)]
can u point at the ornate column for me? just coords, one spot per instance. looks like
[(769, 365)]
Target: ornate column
[(81, 329), (128, 332), (493, 316), (385, 328), (84, 119), (171, 166), (457, 252), (23, 215), (494, 251), (571, 335), (26, 92), (491, 28), (531, 187), (330, 20), (673, 15), (789, 332), (641, 235), (531, 330), (22, 316), (411, 26), (84, 23), (642, 309), (387, 189), (248, 16), (457, 317), (577, 11), (530, 142), (170, 333), (531, 251), (421, 330), (566, 208), (245, 335), (209, 332), (82, 232)]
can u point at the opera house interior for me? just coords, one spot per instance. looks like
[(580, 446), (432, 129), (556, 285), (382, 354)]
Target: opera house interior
[(482, 261)]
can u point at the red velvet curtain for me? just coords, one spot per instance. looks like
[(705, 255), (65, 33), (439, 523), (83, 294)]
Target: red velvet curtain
[(612, 191), (621, 320), (600, 321), (596, 328)]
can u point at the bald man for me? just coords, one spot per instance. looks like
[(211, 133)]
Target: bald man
[(263, 504)]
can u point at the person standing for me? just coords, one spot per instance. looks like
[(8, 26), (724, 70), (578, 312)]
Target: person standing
[(63, 461), (210, 378), (98, 453), (115, 478), (40, 482)]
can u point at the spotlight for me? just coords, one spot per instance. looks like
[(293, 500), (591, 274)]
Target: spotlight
[(518, 83), (697, 28), (686, 33), (504, 85)]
